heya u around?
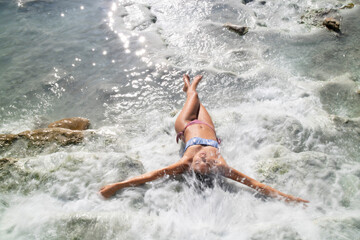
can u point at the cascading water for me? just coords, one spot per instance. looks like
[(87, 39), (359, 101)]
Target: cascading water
[(284, 99)]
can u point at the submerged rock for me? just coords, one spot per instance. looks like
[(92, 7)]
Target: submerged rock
[(13, 177), (75, 123), (353, 124), (237, 29), (6, 161), (7, 168), (339, 97)]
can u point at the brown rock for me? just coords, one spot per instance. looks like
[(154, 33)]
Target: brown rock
[(349, 5), (315, 17), (332, 24), (62, 136), (237, 29), (7, 139), (75, 123)]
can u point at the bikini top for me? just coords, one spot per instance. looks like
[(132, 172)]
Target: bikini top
[(201, 141)]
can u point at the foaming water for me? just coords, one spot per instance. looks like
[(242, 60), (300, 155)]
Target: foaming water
[(283, 98)]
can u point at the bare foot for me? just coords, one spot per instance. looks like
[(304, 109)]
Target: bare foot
[(186, 79), (196, 81)]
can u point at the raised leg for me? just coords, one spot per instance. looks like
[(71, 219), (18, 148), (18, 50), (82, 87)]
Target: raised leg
[(205, 116), (191, 108)]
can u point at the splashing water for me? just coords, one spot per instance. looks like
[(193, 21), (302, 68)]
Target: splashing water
[(284, 99)]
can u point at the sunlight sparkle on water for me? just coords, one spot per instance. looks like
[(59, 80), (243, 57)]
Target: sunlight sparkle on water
[(142, 39), (140, 52)]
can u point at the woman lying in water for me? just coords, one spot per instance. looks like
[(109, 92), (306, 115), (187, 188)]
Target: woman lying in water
[(201, 154)]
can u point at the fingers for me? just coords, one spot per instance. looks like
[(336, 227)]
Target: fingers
[(106, 191), (302, 200), (105, 194), (298, 200)]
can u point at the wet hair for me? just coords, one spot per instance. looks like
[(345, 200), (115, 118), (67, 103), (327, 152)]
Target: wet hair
[(205, 180)]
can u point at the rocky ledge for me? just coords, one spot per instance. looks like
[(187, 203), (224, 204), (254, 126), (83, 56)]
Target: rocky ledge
[(64, 132)]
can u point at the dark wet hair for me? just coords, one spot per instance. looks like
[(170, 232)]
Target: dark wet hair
[(203, 181)]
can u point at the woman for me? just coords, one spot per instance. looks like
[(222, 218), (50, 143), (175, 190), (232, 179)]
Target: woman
[(201, 154)]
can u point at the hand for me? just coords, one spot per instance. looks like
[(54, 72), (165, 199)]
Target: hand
[(295, 199), (109, 190)]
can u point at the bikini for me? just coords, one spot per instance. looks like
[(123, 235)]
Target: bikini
[(198, 140)]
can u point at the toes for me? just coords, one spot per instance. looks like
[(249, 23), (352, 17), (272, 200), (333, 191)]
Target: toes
[(186, 79), (197, 79)]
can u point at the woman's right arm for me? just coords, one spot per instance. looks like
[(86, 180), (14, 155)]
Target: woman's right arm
[(174, 169)]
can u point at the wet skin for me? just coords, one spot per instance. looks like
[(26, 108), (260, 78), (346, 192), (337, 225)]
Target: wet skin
[(205, 160)]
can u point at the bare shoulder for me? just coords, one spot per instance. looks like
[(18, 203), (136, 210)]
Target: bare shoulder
[(187, 159), (222, 165), (221, 161)]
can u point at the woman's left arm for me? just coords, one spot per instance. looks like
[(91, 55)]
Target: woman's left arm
[(235, 175)]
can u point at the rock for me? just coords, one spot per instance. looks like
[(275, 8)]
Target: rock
[(350, 5), (353, 123), (339, 97), (315, 17), (62, 136), (7, 139), (6, 161), (237, 29), (64, 132), (261, 24), (332, 24), (7, 170), (75, 123), (15, 178)]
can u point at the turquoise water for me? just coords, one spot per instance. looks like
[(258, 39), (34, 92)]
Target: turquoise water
[(283, 98)]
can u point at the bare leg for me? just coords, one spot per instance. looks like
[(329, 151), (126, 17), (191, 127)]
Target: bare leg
[(191, 107), (205, 116)]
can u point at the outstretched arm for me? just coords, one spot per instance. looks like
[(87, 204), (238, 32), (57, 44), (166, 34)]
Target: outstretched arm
[(258, 186), (174, 169)]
